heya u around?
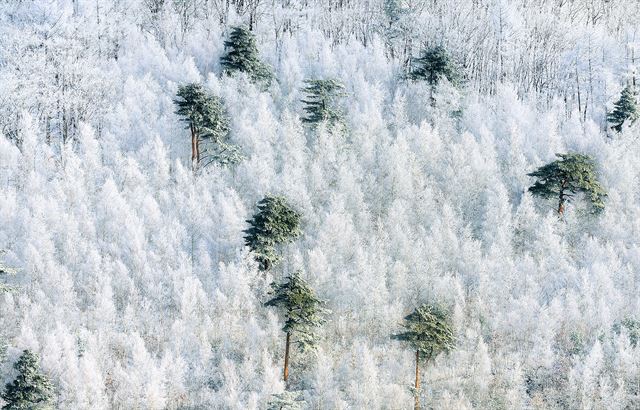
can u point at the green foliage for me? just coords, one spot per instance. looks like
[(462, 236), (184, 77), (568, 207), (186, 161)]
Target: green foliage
[(303, 311), (433, 65), (31, 389), (275, 223), (203, 111), (242, 56), (624, 109), (428, 329), (322, 101), (206, 118), (287, 400), (564, 178)]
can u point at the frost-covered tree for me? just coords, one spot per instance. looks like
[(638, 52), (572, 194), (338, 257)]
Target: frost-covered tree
[(566, 177), (625, 109), (275, 223), (429, 330), (303, 313), (207, 121), (287, 400), (322, 100), (31, 389), (5, 270), (632, 327), (242, 56)]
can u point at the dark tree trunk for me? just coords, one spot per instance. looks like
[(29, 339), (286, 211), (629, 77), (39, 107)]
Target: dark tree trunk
[(562, 199), (194, 146), (286, 357)]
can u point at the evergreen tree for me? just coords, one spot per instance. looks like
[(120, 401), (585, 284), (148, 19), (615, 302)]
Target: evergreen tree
[(564, 178), (429, 331), (242, 55), (624, 109), (322, 101), (31, 389), (204, 113), (303, 313), (275, 223), (433, 65)]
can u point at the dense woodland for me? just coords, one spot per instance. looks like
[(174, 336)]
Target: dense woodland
[(353, 204)]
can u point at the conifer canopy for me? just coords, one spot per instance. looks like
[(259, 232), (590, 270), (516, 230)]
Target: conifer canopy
[(322, 101), (434, 64), (205, 116), (31, 389), (625, 109), (567, 176), (242, 56), (303, 311), (428, 330), (276, 222)]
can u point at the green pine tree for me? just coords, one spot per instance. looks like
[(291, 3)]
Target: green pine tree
[(563, 178), (625, 109), (303, 313), (31, 389), (429, 331), (433, 65), (275, 223), (322, 101), (207, 121), (242, 56)]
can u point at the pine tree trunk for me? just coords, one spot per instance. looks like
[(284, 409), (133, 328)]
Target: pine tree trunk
[(194, 146), (197, 150), (562, 198), (286, 357), (417, 384)]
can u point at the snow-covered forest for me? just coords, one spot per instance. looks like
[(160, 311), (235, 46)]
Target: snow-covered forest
[(125, 265)]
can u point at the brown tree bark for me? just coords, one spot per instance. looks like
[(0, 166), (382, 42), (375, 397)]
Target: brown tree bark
[(194, 146), (286, 357), (562, 199)]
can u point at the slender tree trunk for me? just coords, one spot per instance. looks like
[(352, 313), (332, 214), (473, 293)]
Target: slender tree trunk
[(197, 150), (194, 146), (286, 357), (417, 384), (562, 199)]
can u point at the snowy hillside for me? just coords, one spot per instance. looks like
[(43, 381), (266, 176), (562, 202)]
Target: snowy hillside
[(132, 280)]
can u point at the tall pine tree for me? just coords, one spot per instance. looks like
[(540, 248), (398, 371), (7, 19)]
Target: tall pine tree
[(207, 122), (564, 178), (322, 101), (242, 56), (303, 313), (429, 331), (31, 389), (625, 109), (275, 223)]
